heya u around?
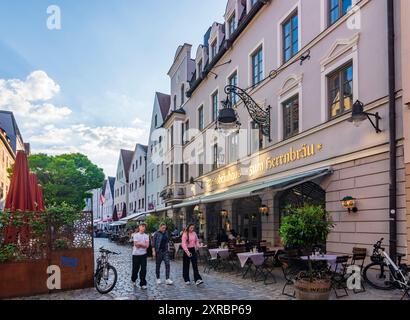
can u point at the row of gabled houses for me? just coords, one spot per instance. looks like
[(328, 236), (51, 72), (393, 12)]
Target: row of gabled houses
[(137, 186)]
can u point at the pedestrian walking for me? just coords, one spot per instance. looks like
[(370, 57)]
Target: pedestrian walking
[(160, 251), (190, 244), (139, 256)]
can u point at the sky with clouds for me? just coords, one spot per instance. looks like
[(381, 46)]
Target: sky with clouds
[(90, 86)]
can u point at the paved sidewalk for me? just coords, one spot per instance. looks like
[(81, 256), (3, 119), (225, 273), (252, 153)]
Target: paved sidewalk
[(217, 285)]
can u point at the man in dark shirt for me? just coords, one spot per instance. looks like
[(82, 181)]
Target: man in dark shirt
[(160, 251)]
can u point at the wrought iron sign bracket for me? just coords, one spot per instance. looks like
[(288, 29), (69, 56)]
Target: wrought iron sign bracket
[(259, 115)]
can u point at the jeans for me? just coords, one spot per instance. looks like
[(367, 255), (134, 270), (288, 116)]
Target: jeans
[(162, 256), (194, 260), (139, 265)]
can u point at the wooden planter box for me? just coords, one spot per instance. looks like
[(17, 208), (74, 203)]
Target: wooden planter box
[(28, 278)]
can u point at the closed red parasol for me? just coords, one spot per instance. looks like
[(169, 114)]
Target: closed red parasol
[(36, 193), (40, 198), (19, 197)]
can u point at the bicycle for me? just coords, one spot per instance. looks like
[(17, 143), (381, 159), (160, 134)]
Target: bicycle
[(105, 277), (383, 274)]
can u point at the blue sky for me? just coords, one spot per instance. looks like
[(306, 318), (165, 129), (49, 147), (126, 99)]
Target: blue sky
[(97, 76)]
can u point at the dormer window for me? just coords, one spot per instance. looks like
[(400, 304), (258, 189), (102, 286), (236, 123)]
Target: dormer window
[(182, 94), (200, 68), (175, 102), (214, 49), (232, 24)]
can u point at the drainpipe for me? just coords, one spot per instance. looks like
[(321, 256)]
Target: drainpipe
[(392, 125)]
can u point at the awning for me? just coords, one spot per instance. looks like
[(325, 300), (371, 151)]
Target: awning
[(118, 223), (132, 216), (143, 217), (258, 187)]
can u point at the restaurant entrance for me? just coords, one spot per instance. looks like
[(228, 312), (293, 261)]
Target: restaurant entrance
[(246, 218), (301, 195)]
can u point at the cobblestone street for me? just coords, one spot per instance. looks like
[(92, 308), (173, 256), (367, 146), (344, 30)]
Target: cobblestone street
[(217, 285)]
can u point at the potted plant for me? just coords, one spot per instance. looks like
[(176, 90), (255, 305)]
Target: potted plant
[(304, 228)]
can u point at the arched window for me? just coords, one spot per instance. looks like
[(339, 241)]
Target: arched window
[(301, 195)]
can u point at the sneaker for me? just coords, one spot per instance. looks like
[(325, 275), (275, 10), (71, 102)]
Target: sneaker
[(199, 282), (144, 288), (188, 283), (134, 284), (169, 282), (158, 281)]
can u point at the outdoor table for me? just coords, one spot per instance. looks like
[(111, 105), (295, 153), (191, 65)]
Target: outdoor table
[(222, 253), (257, 258), (329, 258)]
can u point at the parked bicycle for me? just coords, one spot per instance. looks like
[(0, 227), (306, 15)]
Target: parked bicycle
[(383, 274), (105, 277)]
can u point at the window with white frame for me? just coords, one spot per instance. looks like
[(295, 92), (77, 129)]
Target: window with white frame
[(214, 105), (215, 155), (290, 36), (182, 94), (340, 90), (232, 24), (233, 81), (201, 118), (214, 49), (199, 68), (337, 9), (257, 66), (291, 117)]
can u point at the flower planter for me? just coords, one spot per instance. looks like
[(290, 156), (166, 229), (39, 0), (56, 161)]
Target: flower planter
[(318, 289)]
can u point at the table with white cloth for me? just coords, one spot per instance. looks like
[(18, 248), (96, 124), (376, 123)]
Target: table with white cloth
[(222, 253), (257, 258), (329, 258)]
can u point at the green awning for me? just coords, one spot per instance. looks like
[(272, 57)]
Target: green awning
[(257, 187)]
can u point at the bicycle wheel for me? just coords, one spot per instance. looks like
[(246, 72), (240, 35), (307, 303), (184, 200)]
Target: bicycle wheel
[(105, 279), (378, 276)]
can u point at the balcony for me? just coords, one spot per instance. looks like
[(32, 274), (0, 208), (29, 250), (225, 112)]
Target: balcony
[(174, 192)]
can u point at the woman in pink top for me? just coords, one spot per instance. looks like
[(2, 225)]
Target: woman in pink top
[(190, 243)]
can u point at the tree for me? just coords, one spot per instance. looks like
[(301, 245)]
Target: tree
[(66, 178)]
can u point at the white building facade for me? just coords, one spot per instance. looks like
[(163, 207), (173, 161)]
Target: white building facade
[(121, 188), (137, 182), (156, 171)]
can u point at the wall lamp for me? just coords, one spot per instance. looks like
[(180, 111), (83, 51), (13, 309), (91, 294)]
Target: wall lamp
[(349, 203), (224, 213), (264, 210), (359, 115)]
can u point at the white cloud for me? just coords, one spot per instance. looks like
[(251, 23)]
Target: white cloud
[(48, 127), (29, 100)]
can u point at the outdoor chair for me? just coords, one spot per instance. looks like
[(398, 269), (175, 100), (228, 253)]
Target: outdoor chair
[(292, 266), (358, 259), (266, 269), (339, 276), (210, 263)]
